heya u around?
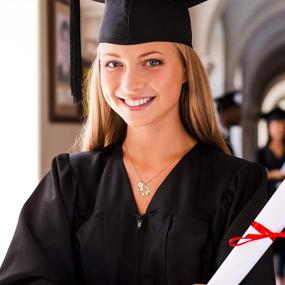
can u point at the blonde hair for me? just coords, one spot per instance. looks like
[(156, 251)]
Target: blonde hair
[(103, 126)]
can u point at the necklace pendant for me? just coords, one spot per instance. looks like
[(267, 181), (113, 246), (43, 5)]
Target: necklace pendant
[(143, 188)]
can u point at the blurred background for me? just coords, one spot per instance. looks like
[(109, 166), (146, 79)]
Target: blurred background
[(241, 43)]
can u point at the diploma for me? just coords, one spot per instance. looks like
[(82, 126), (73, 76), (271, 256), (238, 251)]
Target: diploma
[(253, 244)]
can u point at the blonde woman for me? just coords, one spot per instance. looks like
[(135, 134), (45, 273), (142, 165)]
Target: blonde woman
[(152, 195)]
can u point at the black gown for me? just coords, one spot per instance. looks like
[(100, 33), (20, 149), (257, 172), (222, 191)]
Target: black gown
[(268, 159), (82, 226)]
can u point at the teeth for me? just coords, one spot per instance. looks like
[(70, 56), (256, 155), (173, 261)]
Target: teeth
[(137, 102)]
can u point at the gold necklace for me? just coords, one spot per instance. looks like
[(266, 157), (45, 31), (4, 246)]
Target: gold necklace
[(143, 187)]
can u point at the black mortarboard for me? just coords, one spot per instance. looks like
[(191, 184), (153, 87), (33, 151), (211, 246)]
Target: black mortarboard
[(132, 22), (227, 100), (275, 114)]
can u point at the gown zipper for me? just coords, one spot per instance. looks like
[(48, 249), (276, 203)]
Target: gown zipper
[(140, 223)]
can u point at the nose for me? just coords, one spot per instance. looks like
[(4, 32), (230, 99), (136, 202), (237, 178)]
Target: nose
[(132, 80)]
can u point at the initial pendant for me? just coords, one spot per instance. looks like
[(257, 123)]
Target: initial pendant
[(143, 188)]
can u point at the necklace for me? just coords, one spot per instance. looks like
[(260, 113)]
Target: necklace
[(142, 185)]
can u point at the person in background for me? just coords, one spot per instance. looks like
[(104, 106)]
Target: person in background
[(229, 110), (272, 156)]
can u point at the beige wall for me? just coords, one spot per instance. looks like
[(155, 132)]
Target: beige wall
[(55, 138)]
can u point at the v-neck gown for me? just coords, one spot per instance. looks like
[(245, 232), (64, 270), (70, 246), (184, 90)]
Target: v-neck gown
[(81, 225)]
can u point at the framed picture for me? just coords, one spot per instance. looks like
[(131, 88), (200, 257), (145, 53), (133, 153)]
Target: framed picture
[(61, 106)]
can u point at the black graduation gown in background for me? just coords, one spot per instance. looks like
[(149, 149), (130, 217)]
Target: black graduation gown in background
[(268, 159), (81, 225)]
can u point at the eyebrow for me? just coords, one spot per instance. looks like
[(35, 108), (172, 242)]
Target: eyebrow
[(142, 55)]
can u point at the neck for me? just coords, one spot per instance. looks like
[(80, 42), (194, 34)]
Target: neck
[(158, 143), (277, 142)]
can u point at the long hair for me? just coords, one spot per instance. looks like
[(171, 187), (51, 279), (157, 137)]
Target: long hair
[(103, 126)]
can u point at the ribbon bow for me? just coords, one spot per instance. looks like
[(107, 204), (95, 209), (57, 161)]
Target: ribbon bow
[(263, 233)]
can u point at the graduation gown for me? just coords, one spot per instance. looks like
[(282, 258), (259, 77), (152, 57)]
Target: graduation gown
[(268, 159), (82, 226)]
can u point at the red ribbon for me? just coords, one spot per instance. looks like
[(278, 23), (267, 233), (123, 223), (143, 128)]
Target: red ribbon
[(263, 233)]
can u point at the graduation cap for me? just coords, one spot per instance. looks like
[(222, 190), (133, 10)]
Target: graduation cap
[(275, 114), (228, 100), (131, 22)]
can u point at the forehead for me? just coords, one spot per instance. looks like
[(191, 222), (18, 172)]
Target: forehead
[(166, 48), (277, 121)]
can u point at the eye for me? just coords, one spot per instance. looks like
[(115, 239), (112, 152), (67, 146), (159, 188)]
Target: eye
[(112, 64), (154, 62)]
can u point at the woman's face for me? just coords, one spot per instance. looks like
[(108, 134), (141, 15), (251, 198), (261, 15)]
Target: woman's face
[(277, 129), (142, 82)]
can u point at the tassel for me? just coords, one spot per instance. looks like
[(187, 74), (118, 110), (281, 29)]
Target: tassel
[(75, 52)]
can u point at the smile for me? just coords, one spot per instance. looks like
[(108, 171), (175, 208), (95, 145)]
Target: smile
[(138, 104)]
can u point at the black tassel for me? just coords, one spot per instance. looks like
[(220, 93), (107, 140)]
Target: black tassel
[(75, 52)]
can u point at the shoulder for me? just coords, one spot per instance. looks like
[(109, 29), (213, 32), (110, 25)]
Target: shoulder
[(222, 161), (85, 158), (262, 150), (230, 183), (79, 173), (84, 166), (237, 177), (98, 157), (224, 170)]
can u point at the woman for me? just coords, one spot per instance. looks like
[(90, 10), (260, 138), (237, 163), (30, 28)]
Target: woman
[(272, 156), (153, 196)]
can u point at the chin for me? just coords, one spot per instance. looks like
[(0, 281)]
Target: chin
[(137, 123)]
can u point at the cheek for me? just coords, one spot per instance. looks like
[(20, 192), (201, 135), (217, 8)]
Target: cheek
[(106, 81), (276, 129), (108, 84), (168, 82)]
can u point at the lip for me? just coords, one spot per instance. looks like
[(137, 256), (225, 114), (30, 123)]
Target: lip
[(138, 108), (136, 98)]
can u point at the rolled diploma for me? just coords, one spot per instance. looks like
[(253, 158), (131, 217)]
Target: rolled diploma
[(243, 258)]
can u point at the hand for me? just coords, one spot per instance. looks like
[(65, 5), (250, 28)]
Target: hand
[(275, 174)]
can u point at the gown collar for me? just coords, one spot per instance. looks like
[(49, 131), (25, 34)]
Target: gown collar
[(165, 188)]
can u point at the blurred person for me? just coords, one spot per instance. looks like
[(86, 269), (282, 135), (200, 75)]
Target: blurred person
[(272, 156), (153, 195), (229, 110)]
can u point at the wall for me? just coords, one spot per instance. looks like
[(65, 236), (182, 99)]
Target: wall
[(19, 144), (55, 138)]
